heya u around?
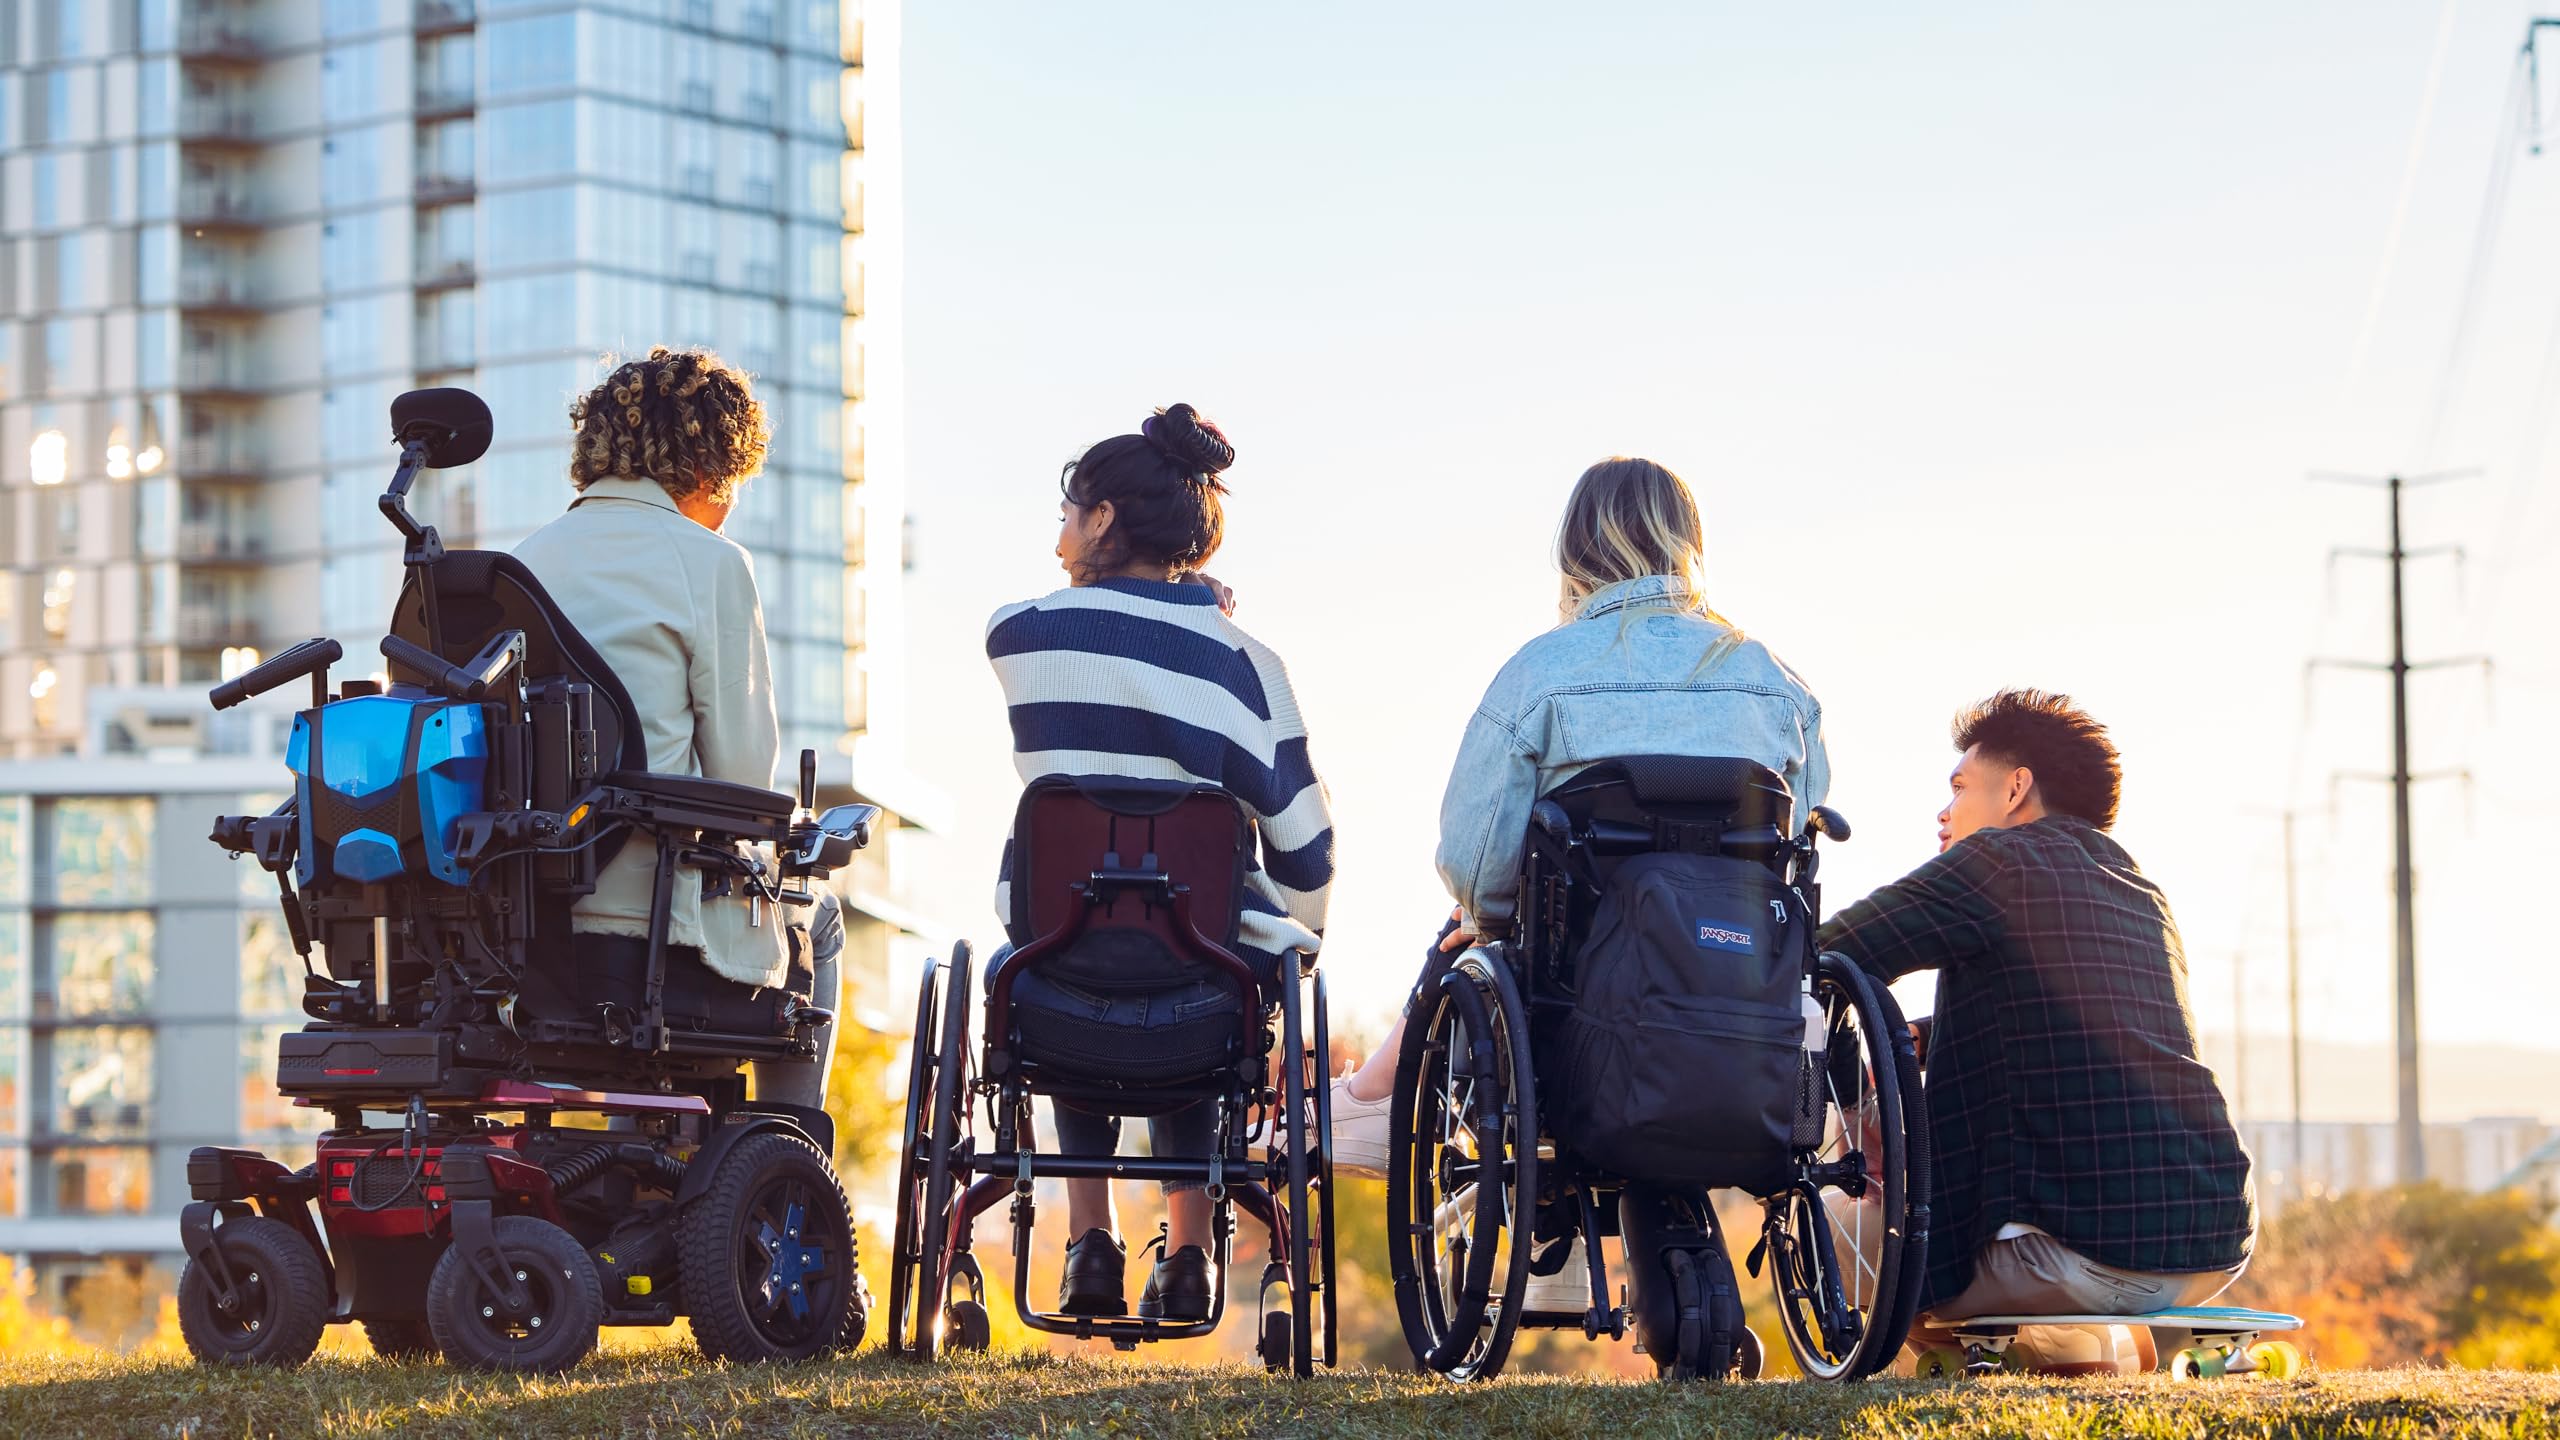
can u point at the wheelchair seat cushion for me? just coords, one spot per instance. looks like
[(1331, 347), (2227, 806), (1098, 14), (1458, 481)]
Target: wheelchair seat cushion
[(614, 970), (1119, 1007)]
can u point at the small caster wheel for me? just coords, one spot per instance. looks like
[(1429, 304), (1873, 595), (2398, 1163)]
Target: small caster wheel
[(2277, 1359), (280, 1297), (1748, 1356), (565, 1302), (965, 1328), (1939, 1362), (1274, 1344), (2196, 1364)]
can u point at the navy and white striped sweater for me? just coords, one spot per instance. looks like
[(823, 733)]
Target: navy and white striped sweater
[(1149, 679)]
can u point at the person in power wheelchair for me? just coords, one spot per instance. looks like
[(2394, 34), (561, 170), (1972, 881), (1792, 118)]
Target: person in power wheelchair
[(1164, 892), (2086, 1160), (664, 447), (444, 824), (1645, 715)]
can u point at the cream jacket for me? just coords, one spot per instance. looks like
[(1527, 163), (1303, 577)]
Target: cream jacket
[(672, 607)]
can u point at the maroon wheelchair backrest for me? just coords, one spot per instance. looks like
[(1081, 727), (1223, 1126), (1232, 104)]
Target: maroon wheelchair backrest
[(1069, 827)]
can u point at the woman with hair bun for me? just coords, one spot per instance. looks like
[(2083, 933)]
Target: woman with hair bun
[(1135, 669)]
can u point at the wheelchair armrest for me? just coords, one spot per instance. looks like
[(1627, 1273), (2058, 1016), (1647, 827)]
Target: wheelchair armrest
[(717, 808)]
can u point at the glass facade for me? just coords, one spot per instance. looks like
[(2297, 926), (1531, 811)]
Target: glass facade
[(216, 310)]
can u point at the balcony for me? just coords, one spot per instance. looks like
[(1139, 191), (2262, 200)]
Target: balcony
[(213, 372), (217, 459), (216, 122), (210, 289), (445, 272), (445, 189), (436, 17), (443, 101), (215, 625), (215, 542), (220, 40), (215, 206)]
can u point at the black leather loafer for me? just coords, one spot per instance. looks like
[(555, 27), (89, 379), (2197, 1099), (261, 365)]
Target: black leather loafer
[(1178, 1289), (1097, 1277)]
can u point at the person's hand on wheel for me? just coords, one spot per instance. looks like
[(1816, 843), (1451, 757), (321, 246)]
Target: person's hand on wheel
[(1460, 937), (1226, 594)]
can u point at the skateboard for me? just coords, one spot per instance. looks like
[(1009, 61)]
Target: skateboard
[(2221, 1340)]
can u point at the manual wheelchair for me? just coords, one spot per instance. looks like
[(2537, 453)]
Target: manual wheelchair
[(440, 828), (1125, 896), (1483, 1192)]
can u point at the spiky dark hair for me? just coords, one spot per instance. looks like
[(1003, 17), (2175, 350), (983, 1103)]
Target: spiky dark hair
[(2073, 761)]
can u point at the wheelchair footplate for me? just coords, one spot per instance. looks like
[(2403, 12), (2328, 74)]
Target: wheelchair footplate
[(2219, 1340)]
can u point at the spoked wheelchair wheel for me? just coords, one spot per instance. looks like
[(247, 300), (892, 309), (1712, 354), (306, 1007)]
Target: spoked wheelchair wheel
[(936, 1120), (1842, 1247), (923, 1046), (1462, 1184), (1306, 1136)]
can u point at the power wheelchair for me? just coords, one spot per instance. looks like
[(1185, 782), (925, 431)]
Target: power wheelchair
[(1824, 1125), (1125, 897), (440, 828)]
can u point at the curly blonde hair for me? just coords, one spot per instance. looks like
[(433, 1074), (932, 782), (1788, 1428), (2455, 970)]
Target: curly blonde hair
[(684, 418)]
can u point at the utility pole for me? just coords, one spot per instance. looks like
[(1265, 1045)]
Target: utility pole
[(2240, 1036), (2411, 1146), (2293, 1000)]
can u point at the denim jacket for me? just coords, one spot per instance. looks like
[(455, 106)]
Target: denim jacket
[(1623, 677)]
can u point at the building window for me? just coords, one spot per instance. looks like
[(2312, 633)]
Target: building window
[(101, 850), (13, 856), (103, 963), (270, 972), (102, 1180), (265, 1113), (102, 1082)]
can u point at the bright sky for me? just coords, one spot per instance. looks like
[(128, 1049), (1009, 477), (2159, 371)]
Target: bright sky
[(1997, 342)]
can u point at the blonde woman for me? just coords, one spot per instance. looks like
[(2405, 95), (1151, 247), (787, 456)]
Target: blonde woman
[(1638, 665)]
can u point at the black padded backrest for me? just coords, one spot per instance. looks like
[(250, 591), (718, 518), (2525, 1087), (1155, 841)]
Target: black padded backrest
[(481, 592), (1739, 795)]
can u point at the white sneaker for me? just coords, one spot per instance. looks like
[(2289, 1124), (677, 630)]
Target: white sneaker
[(1359, 1133), (1568, 1290)]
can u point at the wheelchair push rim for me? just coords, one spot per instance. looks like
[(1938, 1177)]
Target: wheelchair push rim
[(1831, 1242), (905, 1253), (1463, 1183)]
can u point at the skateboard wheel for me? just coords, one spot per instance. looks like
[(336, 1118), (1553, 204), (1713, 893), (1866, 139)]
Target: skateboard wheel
[(2196, 1364), (1939, 1362), (2277, 1359)]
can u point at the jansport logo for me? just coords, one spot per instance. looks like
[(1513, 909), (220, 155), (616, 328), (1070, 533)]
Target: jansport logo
[(1715, 936)]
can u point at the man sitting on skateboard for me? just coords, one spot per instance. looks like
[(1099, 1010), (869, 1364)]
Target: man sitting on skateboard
[(2086, 1163)]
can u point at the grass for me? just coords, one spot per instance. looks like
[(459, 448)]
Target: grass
[(667, 1393)]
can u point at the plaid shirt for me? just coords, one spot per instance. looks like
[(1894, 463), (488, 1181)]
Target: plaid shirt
[(2063, 1086)]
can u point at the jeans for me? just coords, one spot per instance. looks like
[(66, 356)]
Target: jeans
[(1190, 1132), (804, 1082)]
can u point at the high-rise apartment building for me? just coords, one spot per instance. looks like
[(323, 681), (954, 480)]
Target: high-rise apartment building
[(230, 232)]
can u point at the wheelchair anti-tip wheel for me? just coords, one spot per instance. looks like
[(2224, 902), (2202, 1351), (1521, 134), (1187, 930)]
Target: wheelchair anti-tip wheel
[(766, 1255), (280, 1297), (1462, 1184), (555, 1328), (936, 1123), (1842, 1241)]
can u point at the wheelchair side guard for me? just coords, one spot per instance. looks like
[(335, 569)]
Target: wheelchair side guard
[(229, 1183), (802, 1121)]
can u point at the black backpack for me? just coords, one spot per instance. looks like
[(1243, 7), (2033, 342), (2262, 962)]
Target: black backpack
[(1681, 1059)]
